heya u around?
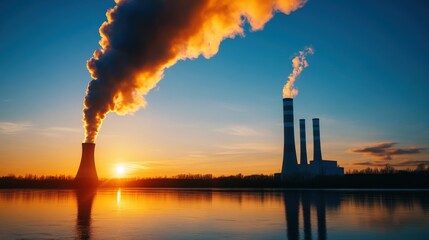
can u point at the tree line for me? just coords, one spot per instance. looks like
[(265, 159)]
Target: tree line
[(387, 177)]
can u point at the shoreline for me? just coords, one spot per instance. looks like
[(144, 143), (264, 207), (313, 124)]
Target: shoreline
[(349, 181)]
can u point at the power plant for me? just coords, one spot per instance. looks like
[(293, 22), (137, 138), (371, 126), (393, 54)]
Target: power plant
[(318, 166), (87, 174)]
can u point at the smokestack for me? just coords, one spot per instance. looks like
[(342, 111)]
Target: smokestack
[(316, 140), (303, 143), (87, 174), (290, 164)]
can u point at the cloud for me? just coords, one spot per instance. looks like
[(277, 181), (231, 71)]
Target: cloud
[(137, 166), (385, 150), (235, 150), (14, 127), (239, 130), (57, 131), (63, 129), (407, 163), (196, 154), (134, 166), (245, 149)]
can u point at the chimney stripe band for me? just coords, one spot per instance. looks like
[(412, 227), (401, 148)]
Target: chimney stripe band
[(288, 124)]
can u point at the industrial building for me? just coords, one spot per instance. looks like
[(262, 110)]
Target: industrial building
[(87, 174), (290, 167)]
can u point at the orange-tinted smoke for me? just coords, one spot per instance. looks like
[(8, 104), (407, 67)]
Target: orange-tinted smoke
[(140, 39), (298, 63)]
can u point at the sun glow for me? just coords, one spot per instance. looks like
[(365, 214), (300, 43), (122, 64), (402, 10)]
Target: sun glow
[(120, 170)]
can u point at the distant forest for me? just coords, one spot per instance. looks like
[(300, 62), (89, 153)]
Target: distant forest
[(387, 177)]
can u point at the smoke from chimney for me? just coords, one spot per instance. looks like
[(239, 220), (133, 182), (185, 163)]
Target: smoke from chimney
[(298, 63), (140, 39)]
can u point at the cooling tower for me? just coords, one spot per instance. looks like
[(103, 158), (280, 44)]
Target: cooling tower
[(87, 174), (303, 143), (316, 140), (290, 165)]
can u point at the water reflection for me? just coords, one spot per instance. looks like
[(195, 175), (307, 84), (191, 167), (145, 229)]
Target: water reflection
[(292, 202), (386, 211), (212, 214), (306, 213), (321, 215), (84, 199)]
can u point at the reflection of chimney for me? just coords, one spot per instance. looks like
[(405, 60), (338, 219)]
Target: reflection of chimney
[(84, 199), (87, 174), (291, 202), (321, 216), (303, 143), (290, 165), (306, 214), (316, 140)]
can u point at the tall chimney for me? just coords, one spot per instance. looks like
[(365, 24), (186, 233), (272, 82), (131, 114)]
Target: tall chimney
[(303, 143), (316, 140), (290, 165), (87, 174)]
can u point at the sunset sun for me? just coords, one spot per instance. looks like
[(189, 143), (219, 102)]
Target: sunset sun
[(120, 170)]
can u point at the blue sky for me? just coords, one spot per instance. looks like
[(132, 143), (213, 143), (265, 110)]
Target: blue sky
[(367, 82)]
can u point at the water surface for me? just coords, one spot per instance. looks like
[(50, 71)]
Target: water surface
[(213, 214)]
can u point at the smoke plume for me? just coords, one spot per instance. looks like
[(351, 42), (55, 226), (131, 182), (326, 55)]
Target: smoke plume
[(140, 39), (299, 63)]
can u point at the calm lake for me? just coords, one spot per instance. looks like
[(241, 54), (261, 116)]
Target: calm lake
[(213, 214)]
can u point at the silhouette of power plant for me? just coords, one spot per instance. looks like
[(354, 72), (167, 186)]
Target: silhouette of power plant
[(87, 174), (290, 167)]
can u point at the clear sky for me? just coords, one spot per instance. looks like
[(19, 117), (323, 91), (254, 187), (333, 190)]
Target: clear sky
[(367, 82)]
